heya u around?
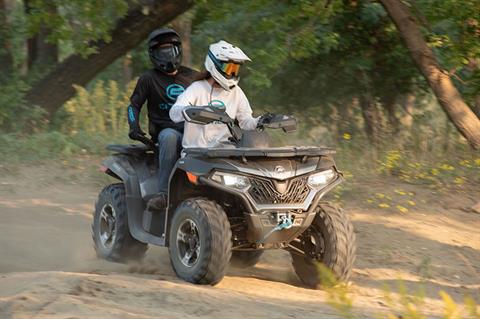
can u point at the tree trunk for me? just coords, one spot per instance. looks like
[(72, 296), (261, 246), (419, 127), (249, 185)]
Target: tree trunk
[(389, 102), (476, 108), (372, 118), (40, 53), (408, 103), (466, 122), (345, 118), (127, 69), (6, 57), (183, 25), (56, 88)]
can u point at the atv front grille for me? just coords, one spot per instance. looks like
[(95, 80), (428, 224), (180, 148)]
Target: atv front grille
[(265, 191)]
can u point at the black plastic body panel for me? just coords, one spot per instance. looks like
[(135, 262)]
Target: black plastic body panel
[(255, 152), (140, 180), (136, 167), (259, 226)]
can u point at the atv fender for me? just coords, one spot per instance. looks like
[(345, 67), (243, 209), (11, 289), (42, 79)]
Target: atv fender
[(121, 167)]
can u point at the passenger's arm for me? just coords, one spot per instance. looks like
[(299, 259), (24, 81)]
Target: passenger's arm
[(184, 100), (138, 98), (244, 113)]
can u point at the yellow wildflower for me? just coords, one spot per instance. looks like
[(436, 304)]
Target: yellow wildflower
[(465, 163), (446, 167), (402, 209)]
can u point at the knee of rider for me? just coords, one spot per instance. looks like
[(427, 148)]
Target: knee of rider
[(168, 138)]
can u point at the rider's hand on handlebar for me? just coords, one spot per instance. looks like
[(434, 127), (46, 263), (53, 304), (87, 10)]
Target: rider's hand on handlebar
[(136, 133), (265, 119)]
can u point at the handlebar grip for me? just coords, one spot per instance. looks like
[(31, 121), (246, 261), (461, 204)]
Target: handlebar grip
[(145, 140)]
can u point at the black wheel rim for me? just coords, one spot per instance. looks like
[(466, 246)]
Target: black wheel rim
[(313, 244), (188, 243), (107, 226)]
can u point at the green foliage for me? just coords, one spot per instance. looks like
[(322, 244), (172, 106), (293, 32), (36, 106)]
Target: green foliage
[(40, 146), (313, 59), (332, 52), (79, 21), (454, 32), (85, 124), (453, 172), (338, 294), (102, 111), (278, 31), (15, 114)]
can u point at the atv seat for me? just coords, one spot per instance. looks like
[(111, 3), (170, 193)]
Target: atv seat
[(129, 149)]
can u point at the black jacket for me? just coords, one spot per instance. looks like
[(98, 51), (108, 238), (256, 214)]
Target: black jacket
[(160, 91)]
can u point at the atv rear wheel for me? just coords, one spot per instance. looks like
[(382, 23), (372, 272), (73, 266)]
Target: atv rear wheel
[(245, 258), (110, 233), (330, 241), (200, 241)]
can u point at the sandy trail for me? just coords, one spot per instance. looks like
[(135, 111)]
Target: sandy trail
[(48, 268)]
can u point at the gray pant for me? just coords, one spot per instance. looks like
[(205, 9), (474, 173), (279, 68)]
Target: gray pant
[(169, 145)]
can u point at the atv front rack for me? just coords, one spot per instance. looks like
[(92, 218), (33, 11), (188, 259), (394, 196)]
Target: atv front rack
[(255, 152)]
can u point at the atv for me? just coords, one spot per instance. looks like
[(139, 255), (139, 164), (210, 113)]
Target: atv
[(227, 204)]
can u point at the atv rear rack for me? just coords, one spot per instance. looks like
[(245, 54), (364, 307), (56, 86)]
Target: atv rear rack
[(255, 152)]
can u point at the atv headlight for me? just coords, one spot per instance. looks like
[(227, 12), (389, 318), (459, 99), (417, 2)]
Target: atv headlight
[(321, 179), (231, 180)]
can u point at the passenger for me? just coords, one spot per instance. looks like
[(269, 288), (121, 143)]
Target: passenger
[(160, 87)]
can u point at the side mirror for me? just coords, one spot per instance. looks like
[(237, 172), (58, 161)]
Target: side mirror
[(287, 123), (204, 116), (217, 106)]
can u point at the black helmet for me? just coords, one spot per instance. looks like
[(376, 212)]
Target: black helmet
[(168, 58)]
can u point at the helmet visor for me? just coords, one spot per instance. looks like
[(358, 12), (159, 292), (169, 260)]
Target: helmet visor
[(166, 52), (230, 68)]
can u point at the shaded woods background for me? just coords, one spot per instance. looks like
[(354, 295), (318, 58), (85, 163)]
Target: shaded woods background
[(393, 85), (340, 67)]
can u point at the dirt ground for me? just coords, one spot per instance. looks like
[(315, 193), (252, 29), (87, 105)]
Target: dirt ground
[(48, 268)]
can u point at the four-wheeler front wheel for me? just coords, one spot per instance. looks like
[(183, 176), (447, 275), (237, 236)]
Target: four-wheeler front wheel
[(110, 233), (200, 241), (330, 241)]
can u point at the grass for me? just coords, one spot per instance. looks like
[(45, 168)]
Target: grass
[(399, 303)]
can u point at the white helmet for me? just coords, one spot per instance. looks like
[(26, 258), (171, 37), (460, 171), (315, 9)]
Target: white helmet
[(223, 61)]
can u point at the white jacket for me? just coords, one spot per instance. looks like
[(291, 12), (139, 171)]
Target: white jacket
[(200, 93)]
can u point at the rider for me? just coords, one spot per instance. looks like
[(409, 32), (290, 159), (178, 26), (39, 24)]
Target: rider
[(223, 62), (160, 87)]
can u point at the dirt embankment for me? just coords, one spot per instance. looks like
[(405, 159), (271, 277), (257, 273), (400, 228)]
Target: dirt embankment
[(48, 268)]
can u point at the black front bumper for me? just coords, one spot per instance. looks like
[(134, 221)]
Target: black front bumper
[(260, 228)]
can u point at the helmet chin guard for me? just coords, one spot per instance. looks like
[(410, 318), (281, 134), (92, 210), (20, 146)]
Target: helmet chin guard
[(223, 61)]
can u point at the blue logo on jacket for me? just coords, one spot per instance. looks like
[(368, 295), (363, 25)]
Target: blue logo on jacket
[(174, 90)]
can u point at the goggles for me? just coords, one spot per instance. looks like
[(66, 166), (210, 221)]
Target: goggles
[(167, 51), (230, 69)]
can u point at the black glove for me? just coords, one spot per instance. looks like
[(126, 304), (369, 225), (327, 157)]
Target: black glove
[(136, 132), (265, 119)]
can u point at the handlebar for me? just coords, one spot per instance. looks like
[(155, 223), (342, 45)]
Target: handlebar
[(146, 141)]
